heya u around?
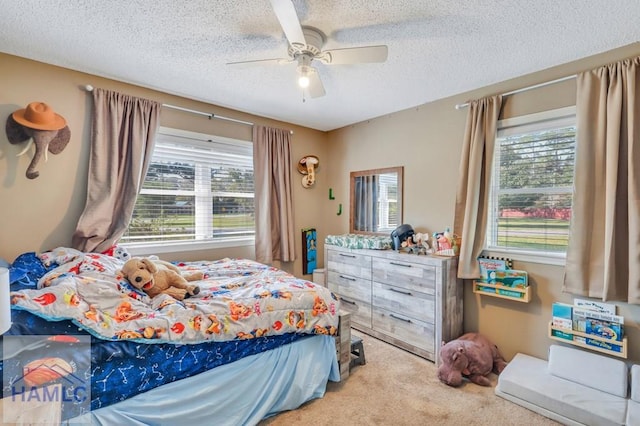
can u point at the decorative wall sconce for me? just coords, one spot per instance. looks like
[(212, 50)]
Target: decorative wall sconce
[(307, 166)]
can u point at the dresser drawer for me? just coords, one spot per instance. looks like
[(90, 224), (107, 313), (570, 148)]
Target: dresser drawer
[(349, 286), (353, 264), (360, 311), (409, 303), (407, 300), (411, 276), (415, 332)]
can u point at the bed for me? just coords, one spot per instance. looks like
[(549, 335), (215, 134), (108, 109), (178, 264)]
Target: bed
[(255, 341)]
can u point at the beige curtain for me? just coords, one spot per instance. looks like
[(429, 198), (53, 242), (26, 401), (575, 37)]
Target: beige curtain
[(603, 257), (122, 138), (273, 200), (471, 212)]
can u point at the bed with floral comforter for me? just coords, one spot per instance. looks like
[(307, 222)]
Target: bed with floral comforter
[(238, 299), (139, 344)]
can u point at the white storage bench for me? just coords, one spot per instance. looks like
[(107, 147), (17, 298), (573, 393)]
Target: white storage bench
[(574, 387)]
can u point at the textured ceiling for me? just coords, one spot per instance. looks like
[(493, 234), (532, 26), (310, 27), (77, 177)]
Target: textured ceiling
[(437, 48)]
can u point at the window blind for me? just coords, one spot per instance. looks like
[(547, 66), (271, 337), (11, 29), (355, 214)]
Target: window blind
[(195, 190), (531, 190)]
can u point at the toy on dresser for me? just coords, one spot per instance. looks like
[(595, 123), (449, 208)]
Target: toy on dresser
[(418, 244), (446, 243)]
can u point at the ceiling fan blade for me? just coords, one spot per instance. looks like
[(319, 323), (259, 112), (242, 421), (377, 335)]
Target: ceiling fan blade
[(316, 89), (277, 61), (286, 14), (355, 55)]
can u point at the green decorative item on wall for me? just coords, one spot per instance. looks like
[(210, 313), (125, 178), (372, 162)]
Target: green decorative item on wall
[(331, 197), (339, 209)]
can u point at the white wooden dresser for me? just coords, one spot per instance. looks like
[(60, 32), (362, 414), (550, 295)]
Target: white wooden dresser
[(411, 301)]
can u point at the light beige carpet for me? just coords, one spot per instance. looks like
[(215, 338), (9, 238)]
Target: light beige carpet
[(396, 387)]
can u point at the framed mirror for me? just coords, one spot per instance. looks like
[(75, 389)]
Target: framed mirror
[(376, 201)]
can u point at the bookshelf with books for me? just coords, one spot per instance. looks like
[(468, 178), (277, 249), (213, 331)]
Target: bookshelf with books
[(591, 325), (497, 279)]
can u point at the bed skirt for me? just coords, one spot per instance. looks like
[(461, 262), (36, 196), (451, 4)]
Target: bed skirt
[(241, 393)]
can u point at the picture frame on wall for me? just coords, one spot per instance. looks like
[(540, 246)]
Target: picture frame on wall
[(309, 250)]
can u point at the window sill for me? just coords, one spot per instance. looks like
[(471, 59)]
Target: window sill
[(530, 257), (145, 249)]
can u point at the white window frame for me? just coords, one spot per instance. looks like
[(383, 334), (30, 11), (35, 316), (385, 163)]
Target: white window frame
[(526, 123), (203, 222)]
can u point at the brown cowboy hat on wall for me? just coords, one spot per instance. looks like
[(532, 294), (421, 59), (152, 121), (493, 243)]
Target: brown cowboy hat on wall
[(40, 116)]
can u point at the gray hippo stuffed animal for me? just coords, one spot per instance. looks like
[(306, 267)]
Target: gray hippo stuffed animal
[(471, 355)]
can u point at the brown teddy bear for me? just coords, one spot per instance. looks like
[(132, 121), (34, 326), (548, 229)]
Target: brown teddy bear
[(471, 355), (156, 277)]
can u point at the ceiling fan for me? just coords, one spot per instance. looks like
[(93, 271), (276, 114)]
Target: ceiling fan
[(305, 46)]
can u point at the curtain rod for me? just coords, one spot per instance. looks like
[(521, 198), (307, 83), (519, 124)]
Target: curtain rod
[(524, 89), (89, 88)]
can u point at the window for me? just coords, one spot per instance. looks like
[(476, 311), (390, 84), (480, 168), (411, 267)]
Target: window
[(531, 188), (198, 189)]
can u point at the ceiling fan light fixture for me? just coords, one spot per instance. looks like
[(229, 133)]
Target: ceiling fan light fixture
[(305, 45), (303, 81), (303, 76)]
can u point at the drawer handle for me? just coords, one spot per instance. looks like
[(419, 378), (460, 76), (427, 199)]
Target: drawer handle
[(347, 278), (401, 264), (399, 318), (348, 301), (407, 293), (347, 255)]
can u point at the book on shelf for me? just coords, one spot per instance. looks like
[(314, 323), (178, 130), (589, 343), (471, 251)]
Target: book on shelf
[(500, 291), (508, 277), (605, 329), (561, 334), (580, 339), (595, 306), (600, 324), (490, 263), (604, 345), (562, 315)]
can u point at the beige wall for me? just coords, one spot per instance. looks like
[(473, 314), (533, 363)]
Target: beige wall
[(427, 141), (41, 214)]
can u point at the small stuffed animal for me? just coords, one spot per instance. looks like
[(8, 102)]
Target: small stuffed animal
[(118, 252), (471, 355), (156, 277)]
